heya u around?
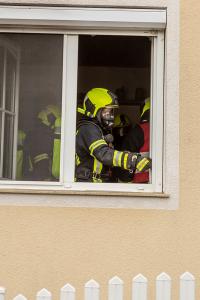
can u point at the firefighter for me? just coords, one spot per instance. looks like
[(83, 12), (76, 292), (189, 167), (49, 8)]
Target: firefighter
[(136, 139), (42, 146), (94, 155), (143, 177)]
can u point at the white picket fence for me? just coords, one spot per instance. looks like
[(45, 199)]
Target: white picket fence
[(115, 289)]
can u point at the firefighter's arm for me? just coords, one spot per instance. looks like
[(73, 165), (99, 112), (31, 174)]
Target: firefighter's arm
[(99, 149), (114, 158)]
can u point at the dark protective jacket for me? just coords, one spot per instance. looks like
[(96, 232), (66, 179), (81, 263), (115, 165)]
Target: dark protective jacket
[(94, 155), (132, 141), (38, 153), (42, 152), (143, 177)]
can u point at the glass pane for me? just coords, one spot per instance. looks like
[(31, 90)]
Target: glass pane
[(40, 98), (120, 64), (1, 74), (38, 102), (0, 140), (8, 147), (10, 81)]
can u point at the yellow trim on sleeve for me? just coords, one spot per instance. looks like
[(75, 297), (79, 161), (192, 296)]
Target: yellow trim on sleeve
[(117, 157), (96, 144), (40, 157), (125, 161), (140, 166)]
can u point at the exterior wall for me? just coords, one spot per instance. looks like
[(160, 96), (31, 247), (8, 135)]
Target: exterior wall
[(49, 246)]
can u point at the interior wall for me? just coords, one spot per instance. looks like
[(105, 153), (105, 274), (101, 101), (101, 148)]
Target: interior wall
[(114, 78)]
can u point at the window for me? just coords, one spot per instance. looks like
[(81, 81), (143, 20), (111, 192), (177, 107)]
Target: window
[(47, 66)]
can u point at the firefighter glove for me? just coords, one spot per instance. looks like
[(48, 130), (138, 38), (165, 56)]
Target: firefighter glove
[(132, 161), (143, 163)]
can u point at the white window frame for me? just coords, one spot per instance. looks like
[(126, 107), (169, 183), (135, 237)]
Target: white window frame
[(70, 92), (74, 21), (13, 112)]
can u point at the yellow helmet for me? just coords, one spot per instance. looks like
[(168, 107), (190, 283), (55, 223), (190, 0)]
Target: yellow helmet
[(96, 99), (146, 106), (121, 120), (50, 110)]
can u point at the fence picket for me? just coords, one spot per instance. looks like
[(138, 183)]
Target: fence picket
[(115, 290), (20, 297), (91, 290), (2, 293), (163, 287), (67, 292), (187, 286), (43, 295), (139, 288)]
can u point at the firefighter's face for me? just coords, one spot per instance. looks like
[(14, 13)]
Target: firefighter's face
[(107, 116)]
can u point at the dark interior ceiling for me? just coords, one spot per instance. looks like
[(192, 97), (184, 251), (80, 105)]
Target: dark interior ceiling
[(115, 51), (107, 51)]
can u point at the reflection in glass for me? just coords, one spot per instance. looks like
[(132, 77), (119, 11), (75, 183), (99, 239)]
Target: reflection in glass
[(1, 75), (10, 81), (8, 146), (0, 135), (40, 97), (30, 105)]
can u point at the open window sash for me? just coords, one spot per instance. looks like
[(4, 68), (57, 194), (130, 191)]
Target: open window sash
[(70, 67)]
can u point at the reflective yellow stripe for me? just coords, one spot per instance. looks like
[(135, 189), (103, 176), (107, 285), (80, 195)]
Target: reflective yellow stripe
[(117, 158), (77, 160), (40, 157), (125, 161), (120, 159), (114, 158), (140, 166), (97, 168), (102, 143), (55, 168), (96, 144)]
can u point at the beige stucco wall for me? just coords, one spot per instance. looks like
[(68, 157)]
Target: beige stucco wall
[(47, 247)]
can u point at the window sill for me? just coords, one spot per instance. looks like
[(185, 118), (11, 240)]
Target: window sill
[(79, 192), (78, 198)]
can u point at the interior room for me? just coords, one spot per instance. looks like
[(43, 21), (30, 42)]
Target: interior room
[(119, 63)]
